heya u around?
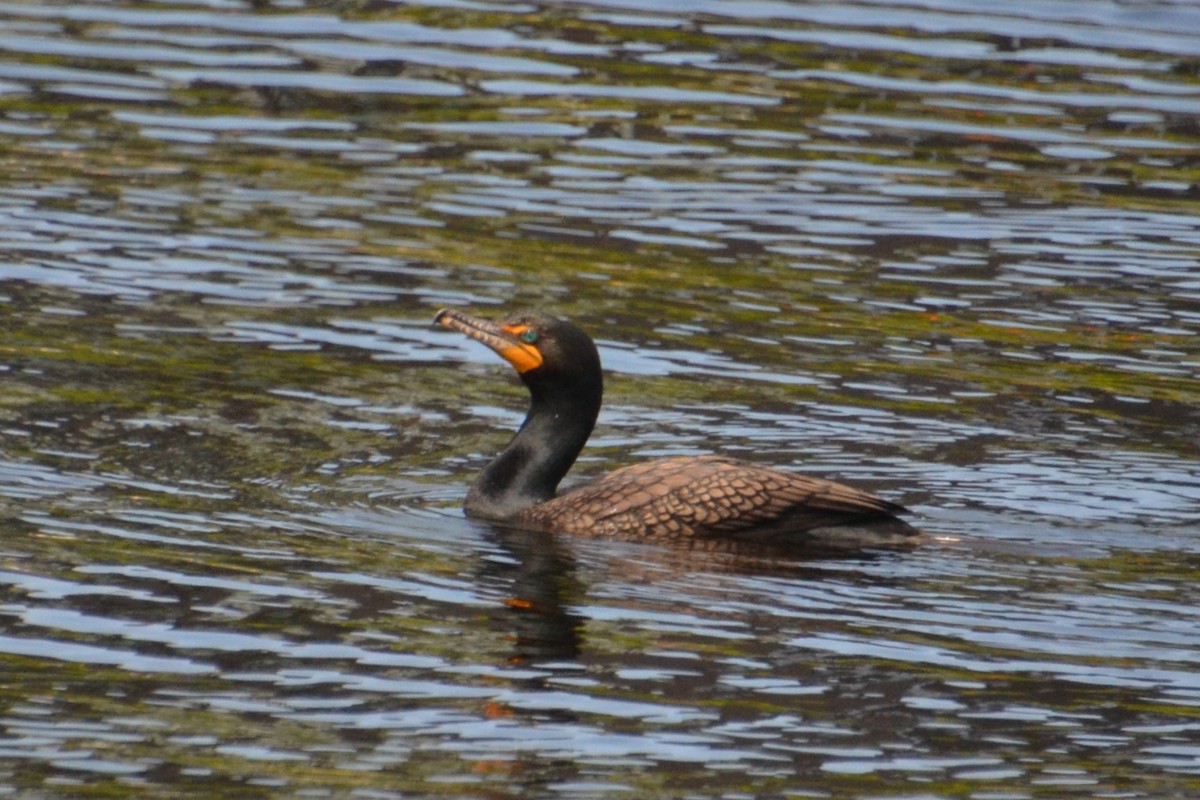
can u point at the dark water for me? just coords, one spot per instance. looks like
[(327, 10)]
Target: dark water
[(947, 251)]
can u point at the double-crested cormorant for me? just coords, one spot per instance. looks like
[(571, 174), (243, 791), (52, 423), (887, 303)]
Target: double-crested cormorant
[(688, 497)]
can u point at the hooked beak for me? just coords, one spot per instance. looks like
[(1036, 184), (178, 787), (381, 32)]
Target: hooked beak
[(505, 340)]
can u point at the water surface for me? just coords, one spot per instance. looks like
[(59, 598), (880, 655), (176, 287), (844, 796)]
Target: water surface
[(947, 253)]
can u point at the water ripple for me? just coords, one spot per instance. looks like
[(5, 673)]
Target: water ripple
[(945, 255)]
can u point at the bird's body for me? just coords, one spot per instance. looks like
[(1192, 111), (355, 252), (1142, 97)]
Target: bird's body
[(672, 499), (706, 496)]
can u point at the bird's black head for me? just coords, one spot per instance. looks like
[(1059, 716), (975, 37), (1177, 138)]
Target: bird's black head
[(548, 353), (561, 368)]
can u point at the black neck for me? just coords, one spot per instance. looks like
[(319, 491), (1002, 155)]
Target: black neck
[(530, 468)]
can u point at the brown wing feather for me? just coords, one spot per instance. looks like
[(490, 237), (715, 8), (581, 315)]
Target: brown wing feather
[(704, 496)]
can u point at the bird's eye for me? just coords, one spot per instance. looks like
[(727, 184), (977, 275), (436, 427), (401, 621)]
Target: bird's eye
[(529, 336)]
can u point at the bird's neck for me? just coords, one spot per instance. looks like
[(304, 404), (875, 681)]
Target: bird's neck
[(530, 468)]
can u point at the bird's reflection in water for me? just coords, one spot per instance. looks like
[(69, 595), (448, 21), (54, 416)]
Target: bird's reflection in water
[(542, 589), (543, 584)]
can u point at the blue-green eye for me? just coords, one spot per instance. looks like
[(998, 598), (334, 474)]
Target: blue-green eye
[(529, 336)]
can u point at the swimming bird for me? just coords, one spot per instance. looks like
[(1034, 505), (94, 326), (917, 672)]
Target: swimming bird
[(680, 498)]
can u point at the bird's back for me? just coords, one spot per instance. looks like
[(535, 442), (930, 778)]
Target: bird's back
[(709, 496)]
